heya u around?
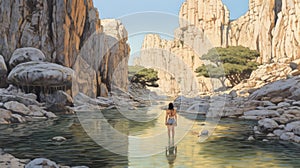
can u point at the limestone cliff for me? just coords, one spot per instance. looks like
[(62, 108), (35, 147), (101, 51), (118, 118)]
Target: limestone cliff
[(270, 26), (61, 29), (103, 60)]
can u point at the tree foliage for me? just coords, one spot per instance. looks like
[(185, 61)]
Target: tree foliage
[(146, 77), (233, 63)]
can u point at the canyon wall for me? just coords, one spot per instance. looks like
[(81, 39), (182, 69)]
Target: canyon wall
[(271, 27), (60, 29)]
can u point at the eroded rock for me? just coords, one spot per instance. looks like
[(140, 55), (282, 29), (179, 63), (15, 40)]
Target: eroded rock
[(22, 55)]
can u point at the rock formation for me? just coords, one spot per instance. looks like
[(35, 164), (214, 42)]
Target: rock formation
[(41, 74), (56, 27), (23, 55), (271, 27), (62, 30), (103, 60), (3, 72)]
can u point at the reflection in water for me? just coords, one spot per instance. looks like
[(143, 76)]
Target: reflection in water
[(171, 153), (227, 147)]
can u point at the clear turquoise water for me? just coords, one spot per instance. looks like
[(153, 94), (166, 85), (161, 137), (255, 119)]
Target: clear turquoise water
[(227, 147)]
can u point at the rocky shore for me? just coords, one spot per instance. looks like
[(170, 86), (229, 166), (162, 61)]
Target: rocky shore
[(9, 161), (274, 102)]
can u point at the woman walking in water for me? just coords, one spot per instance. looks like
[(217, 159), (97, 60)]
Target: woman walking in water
[(171, 120)]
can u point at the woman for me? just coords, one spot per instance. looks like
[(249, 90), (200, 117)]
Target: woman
[(171, 120)]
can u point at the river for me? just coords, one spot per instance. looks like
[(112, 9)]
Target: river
[(144, 144)]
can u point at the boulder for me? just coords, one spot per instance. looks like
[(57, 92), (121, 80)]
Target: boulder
[(291, 126), (16, 118), (262, 113), (286, 136), (278, 132), (23, 55), (42, 74), (82, 99), (283, 104), (296, 139), (251, 138), (296, 103), (57, 101), (41, 163), (5, 116), (17, 107), (267, 125), (277, 100), (59, 139), (296, 130), (49, 114), (284, 88), (3, 72), (9, 161)]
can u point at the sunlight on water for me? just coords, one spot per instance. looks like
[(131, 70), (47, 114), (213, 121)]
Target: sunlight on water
[(227, 147)]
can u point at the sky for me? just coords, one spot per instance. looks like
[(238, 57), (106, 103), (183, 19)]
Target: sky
[(141, 17)]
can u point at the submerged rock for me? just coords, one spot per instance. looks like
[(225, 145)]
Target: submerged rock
[(287, 136), (59, 139), (41, 163), (251, 138), (267, 125)]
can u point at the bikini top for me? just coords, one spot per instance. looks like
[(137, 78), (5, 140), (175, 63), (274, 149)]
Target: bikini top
[(171, 113)]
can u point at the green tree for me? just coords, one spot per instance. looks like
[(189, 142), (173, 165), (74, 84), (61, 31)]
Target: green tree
[(232, 63), (146, 77)]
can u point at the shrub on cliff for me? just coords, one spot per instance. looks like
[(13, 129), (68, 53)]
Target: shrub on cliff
[(234, 63), (146, 77)]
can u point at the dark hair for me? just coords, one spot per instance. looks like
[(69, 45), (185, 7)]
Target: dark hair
[(171, 106)]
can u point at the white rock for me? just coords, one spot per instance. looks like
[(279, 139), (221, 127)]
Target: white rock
[(251, 138), (283, 104), (278, 132), (296, 139), (292, 125), (18, 118), (41, 74), (271, 108), (281, 126), (59, 139), (266, 113), (49, 114), (255, 128), (267, 124), (265, 140), (17, 107), (36, 163), (287, 136), (296, 130), (250, 117), (204, 133), (296, 103), (270, 135)]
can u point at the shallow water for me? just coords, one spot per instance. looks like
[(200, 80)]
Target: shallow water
[(227, 147)]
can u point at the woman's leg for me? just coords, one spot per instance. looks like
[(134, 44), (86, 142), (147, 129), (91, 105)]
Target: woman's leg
[(173, 132), (169, 129)]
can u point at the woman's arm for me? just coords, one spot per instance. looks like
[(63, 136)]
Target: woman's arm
[(166, 118), (176, 117)]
